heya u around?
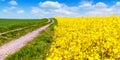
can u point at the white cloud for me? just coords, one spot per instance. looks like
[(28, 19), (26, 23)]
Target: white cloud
[(52, 8), (5, 10), (13, 2), (9, 9), (20, 11), (39, 12), (64, 12), (35, 10), (99, 9), (85, 4), (101, 5), (12, 7), (99, 12), (118, 4), (50, 4)]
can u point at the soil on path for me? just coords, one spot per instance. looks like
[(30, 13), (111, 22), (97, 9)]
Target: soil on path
[(14, 45)]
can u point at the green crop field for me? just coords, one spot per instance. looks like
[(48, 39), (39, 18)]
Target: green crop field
[(13, 28), (9, 24), (36, 49)]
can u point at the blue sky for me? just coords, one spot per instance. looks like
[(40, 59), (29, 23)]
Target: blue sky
[(52, 8)]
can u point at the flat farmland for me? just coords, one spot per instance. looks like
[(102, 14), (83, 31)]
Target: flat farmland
[(13, 28)]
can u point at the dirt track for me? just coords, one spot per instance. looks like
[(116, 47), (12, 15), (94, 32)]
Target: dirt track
[(14, 45)]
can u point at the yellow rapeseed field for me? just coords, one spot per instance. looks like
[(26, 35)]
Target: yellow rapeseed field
[(86, 38)]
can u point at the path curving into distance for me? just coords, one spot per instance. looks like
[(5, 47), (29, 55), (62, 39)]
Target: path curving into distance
[(19, 29), (14, 45)]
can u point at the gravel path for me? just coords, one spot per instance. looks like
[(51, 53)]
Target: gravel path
[(14, 45)]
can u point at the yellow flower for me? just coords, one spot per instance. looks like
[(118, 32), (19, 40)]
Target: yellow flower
[(115, 51), (86, 37)]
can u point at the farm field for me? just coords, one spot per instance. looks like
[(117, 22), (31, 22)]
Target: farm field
[(13, 28), (86, 38), (75, 38), (10, 24), (59, 30), (36, 49)]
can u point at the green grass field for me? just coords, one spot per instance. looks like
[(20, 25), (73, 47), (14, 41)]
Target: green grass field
[(11, 24), (36, 49)]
